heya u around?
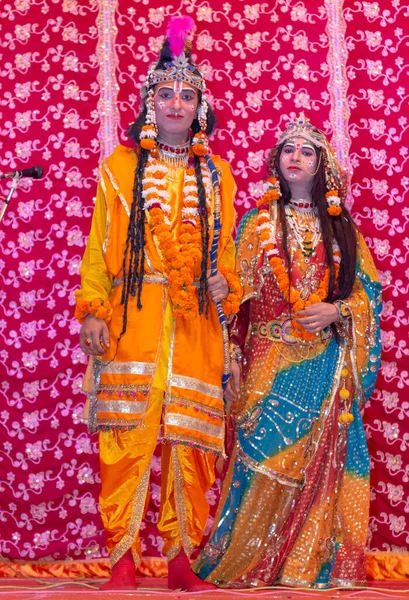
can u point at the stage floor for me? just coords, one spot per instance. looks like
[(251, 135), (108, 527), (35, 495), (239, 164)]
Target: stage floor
[(62, 589)]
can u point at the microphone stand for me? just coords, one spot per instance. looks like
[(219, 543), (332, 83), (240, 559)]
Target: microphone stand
[(13, 187)]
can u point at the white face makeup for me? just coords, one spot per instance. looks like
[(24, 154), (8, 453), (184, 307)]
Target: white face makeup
[(298, 161), (175, 107)]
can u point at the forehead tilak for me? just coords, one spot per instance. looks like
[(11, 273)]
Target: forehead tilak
[(177, 86), (300, 144)]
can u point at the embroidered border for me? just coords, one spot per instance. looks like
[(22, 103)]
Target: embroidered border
[(116, 188), (138, 506), (194, 425), (123, 389), (270, 473), (122, 424), (182, 401), (128, 368), (108, 223), (190, 383), (92, 397), (180, 502), (187, 440), (122, 406)]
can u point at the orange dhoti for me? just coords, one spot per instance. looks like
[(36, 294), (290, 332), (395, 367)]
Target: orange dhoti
[(187, 473)]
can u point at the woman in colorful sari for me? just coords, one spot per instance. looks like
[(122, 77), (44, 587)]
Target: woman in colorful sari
[(305, 344)]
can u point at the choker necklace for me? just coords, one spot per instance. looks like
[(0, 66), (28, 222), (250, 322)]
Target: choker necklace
[(301, 204), (174, 156)]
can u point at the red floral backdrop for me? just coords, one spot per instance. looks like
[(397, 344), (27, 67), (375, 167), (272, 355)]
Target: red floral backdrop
[(60, 105)]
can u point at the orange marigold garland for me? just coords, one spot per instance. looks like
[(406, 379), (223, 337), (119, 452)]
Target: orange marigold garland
[(180, 257), (334, 203), (266, 231), (231, 304), (102, 309), (200, 144)]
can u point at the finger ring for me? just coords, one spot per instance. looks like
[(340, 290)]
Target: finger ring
[(87, 341)]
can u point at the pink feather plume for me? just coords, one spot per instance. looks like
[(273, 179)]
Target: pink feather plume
[(178, 31)]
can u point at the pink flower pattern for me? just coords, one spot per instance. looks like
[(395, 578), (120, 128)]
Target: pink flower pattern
[(264, 63)]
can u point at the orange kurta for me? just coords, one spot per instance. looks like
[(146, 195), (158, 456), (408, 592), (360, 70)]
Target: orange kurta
[(123, 378)]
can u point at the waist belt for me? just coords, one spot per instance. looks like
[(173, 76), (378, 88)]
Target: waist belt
[(150, 279), (280, 331)]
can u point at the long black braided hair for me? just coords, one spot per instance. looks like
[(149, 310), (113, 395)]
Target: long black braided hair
[(134, 255), (340, 228)]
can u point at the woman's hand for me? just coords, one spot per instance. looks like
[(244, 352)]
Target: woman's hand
[(233, 385), (217, 286), (317, 316), (96, 332)]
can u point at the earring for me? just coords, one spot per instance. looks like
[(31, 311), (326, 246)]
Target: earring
[(149, 131), (200, 142), (318, 165)]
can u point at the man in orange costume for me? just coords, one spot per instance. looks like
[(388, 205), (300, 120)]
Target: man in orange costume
[(149, 318)]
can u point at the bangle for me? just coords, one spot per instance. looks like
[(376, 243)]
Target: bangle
[(102, 309), (344, 312), (231, 303), (236, 354)]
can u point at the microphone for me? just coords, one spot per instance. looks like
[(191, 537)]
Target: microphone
[(34, 172)]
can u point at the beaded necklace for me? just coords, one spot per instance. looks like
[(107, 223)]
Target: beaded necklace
[(304, 225)]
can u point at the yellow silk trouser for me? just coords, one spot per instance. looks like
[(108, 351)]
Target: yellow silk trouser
[(186, 475)]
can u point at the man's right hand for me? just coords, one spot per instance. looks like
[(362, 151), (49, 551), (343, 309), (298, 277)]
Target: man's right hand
[(233, 385), (96, 332)]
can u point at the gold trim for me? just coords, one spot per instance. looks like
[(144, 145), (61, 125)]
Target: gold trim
[(194, 425), (124, 203), (138, 507), (173, 552), (214, 412), (108, 222), (111, 424), (346, 583), (180, 503), (270, 473), (187, 440), (147, 278), (116, 188), (121, 406), (128, 368), (196, 385), (263, 330), (303, 583)]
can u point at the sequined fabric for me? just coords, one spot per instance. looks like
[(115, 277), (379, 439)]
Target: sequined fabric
[(295, 502)]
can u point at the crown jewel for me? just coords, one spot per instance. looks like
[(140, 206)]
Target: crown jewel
[(179, 36)]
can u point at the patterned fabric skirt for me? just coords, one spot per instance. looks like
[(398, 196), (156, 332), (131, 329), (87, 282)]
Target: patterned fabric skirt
[(295, 502)]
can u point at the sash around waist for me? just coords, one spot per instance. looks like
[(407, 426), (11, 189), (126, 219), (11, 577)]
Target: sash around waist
[(280, 331), (161, 279)]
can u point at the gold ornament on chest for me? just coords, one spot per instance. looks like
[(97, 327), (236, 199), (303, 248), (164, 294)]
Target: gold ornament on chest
[(309, 282)]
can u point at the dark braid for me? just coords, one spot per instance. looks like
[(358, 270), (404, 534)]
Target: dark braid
[(204, 231), (135, 243)]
